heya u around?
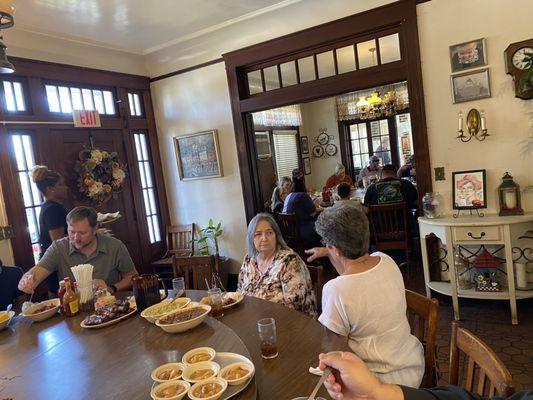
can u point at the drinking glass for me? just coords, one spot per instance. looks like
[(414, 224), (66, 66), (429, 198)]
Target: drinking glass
[(216, 302), (178, 284), (267, 335)]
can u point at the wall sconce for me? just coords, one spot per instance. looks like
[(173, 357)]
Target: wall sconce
[(475, 122)]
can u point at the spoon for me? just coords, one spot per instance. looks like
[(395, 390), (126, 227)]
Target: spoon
[(9, 307), (326, 373)]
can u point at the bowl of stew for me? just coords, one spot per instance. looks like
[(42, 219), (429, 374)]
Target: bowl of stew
[(237, 373), (200, 354), (173, 390), (210, 389), (42, 311), (201, 371), (168, 372), (184, 319)]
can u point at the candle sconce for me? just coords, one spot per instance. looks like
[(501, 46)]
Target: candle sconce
[(476, 126)]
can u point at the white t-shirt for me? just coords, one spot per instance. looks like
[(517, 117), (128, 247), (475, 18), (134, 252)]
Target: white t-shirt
[(370, 308)]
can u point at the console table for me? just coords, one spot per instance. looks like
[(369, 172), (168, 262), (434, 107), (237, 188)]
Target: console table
[(473, 230)]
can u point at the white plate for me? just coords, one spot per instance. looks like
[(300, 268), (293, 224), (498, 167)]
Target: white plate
[(112, 322), (185, 325), (237, 296), (44, 315)]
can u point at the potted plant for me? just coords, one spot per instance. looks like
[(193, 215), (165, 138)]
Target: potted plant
[(207, 239)]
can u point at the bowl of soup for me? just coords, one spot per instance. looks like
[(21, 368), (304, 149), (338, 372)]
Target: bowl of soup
[(184, 319), (174, 390), (210, 389), (237, 373), (42, 311), (168, 372), (201, 371), (200, 354)]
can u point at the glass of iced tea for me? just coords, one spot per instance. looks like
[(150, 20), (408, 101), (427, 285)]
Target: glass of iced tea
[(267, 335), (216, 302), (178, 284)]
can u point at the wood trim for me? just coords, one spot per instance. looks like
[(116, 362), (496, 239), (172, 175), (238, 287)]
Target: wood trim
[(185, 70)]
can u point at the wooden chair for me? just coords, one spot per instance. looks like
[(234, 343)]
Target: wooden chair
[(480, 362), (196, 270), (388, 227), (318, 280), (179, 242), (422, 314), (290, 230)]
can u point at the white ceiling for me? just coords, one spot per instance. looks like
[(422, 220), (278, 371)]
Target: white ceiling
[(136, 26)]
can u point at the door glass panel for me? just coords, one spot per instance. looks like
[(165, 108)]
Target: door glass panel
[(254, 82), (109, 102), (366, 52), (77, 102), (19, 96), (64, 99), (28, 152), (32, 225), (9, 96), (326, 64), (26, 191), (306, 69), (345, 59), (271, 77), (53, 100), (87, 99), (389, 48), (19, 153), (147, 174), (288, 73), (99, 101)]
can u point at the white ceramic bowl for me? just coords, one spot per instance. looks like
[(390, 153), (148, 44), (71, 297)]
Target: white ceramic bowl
[(157, 390), (185, 325), (42, 316), (161, 368), (10, 315), (151, 314), (239, 381), (186, 359), (205, 365), (220, 381)]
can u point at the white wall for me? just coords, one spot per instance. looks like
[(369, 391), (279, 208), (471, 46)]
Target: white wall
[(442, 23), (193, 102)]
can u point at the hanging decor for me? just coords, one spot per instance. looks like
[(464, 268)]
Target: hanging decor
[(100, 174), (283, 116), (324, 148)]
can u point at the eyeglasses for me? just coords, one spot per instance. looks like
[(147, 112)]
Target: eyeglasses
[(375, 161)]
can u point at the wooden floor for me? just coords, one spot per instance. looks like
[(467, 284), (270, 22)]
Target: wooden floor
[(491, 321)]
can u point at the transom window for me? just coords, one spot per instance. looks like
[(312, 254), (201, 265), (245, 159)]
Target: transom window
[(14, 96), (23, 151), (64, 99), (134, 100), (147, 186)]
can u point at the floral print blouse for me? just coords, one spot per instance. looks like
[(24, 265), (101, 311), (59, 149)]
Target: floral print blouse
[(287, 281)]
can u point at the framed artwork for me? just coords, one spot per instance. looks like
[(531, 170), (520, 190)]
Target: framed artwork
[(470, 86), (198, 155), (305, 144), (405, 144), (469, 190), (307, 165), (468, 55)]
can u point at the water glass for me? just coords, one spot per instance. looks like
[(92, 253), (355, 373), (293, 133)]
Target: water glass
[(178, 284), (216, 302), (267, 335)]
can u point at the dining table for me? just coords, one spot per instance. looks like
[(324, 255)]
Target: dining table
[(58, 359)]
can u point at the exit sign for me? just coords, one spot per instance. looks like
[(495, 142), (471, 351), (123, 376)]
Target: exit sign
[(86, 119)]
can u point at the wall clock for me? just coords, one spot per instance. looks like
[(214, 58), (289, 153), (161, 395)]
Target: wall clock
[(331, 149), (318, 151), (519, 64)]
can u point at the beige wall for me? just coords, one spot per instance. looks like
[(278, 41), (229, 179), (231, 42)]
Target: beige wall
[(194, 102), (445, 22)]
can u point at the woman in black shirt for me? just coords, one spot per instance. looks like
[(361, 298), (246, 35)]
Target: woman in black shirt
[(53, 216)]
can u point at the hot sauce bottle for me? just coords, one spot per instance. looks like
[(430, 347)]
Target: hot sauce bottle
[(71, 302)]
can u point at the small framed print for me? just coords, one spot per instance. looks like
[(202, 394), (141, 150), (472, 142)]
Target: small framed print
[(307, 165), (305, 144), (469, 86), (472, 54), (469, 190)]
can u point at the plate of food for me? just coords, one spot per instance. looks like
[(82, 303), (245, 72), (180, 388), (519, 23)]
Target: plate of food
[(107, 218), (109, 315), (41, 311), (152, 313), (184, 319), (5, 318), (229, 299)]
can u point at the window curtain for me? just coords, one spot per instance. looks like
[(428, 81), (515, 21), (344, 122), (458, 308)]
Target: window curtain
[(283, 116)]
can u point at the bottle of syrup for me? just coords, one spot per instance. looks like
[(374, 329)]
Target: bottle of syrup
[(70, 301)]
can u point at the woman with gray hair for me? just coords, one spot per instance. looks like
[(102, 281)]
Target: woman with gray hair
[(338, 177), (280, 193), (366, 302), (272, 271)]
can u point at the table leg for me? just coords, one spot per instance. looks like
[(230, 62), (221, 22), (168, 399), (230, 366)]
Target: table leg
[(510, 273)]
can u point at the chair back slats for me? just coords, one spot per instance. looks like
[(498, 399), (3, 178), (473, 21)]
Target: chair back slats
[(179, 239), (422, 314), (481, 361), (196, 270), (290, 230), (388, 227)]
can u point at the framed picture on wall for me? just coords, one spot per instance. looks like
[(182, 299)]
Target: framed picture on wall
[(307, 165), (469, 190), (469, 86), (305, 144), (198, 155), (468, 55)]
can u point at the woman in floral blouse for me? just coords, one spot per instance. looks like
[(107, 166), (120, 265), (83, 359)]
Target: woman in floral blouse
[(272, 271)]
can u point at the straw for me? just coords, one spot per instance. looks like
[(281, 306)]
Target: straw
[(83, 274), (207, 284)]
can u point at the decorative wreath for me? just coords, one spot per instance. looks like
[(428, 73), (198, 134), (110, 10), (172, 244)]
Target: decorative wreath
[(100, 174)]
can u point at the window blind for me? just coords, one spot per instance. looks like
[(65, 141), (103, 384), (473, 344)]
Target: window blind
[(286, 148)]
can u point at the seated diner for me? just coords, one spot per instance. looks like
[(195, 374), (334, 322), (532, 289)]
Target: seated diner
[(338, 177), (280, 193)]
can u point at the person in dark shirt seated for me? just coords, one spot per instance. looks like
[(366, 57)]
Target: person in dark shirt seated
[(9, 279), (351, 379), (408, 170)]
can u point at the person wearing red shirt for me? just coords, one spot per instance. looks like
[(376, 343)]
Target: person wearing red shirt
[(338, 177)]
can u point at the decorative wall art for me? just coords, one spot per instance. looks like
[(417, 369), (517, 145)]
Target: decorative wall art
[(324, 148), (307, 165), (469, 86), (198, 155), (468, 55), (469, 190), (305, 144)]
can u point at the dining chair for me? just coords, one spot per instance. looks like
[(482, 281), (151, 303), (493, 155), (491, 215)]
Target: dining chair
[(199, 271), (318, 279), (388, 227), (422, 314), (290, 230), (179, 242), (480, 362)]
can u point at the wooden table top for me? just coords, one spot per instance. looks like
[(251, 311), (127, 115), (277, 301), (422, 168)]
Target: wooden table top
[(59, 359)]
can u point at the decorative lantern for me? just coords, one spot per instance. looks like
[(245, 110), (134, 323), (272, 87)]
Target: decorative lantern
[(486, 275), (509, 196)]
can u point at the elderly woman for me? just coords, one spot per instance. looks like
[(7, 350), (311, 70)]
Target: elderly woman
[(280, 193), (366, 302), (272, 271), (338, 177)]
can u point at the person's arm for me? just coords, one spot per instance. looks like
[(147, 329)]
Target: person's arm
[(31, 279), (316, 252), (125, 282), (55, 220)]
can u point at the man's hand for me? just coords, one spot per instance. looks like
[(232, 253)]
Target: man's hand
[(100, 284), (27, 282), (316, 252)]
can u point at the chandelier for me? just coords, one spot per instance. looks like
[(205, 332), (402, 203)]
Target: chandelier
[(374, 106), (6, 21)]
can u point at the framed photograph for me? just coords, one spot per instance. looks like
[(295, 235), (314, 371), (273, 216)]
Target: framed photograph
[(469, 190), (198, 155), (472, 54), (305, 144), (470, 86), (307, 165)]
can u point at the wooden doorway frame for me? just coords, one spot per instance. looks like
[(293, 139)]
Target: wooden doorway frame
[(399, 16)]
